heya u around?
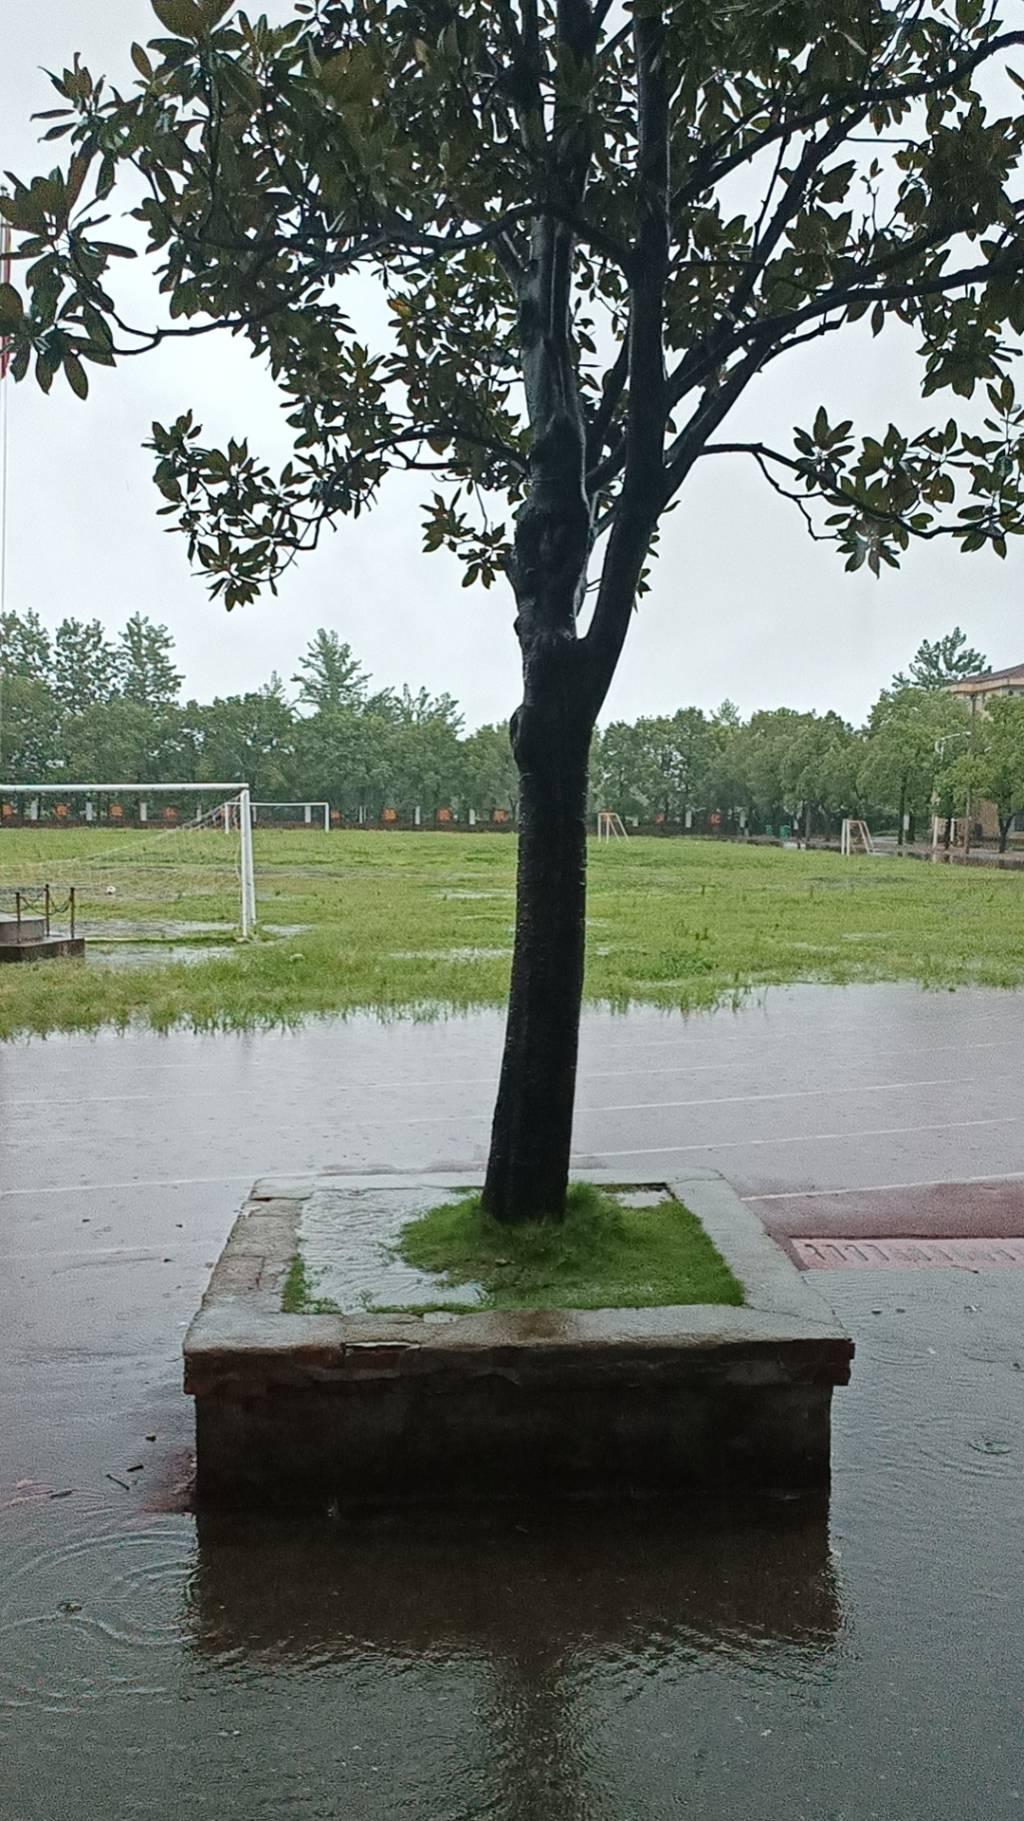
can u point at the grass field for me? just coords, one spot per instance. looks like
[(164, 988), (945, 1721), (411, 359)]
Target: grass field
[(414, 923)]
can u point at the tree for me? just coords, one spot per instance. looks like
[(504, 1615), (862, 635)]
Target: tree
[(31, 742), (615, 770), (997, 762), (85, 665), (816, 775), (490, 779), (145, 667), (122, 740), (26, 649), (328, 675), (595, 228), (912, 736), (937, 662), (249, 739)]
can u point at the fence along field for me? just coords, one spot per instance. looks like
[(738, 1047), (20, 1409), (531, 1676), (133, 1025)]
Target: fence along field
[(420, 924)]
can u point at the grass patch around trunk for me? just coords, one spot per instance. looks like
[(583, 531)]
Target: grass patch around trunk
[(604, 1255)]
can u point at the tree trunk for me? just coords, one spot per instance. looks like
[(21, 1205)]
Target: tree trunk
[(1004, 831), (901, 812), (528, 1167)]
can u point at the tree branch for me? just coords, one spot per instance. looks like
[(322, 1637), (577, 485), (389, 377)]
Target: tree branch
[(642, 495), (708, 173), (763, 454)]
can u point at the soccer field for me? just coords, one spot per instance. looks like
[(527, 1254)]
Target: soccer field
[(421, 922)]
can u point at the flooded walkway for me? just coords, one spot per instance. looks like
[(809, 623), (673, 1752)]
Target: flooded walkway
[(605, 1667)]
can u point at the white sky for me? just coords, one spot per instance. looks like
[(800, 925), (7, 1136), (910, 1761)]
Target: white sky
[(744, 604)]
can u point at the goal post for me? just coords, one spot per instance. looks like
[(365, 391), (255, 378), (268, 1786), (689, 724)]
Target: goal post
[(855, 837), (610, 826), (313, 811), (151, 848)]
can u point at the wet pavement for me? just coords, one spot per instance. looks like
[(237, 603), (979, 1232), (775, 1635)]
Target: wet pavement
[(785, 1663)]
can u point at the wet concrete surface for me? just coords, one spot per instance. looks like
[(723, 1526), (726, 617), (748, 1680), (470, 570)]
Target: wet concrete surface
[(862, 1664)]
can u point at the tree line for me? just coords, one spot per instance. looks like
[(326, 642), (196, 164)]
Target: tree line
[(79, 704)]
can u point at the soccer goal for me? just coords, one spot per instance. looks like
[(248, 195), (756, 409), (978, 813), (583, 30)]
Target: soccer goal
[(142, 868), (856, 838), (610, 827), (286, 815)]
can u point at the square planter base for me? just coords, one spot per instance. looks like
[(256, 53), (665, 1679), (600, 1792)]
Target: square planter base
[(607, 1402), (44, 948)]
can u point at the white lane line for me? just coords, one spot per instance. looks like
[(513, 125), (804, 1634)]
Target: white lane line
[(888, 1188), (717, 1100), (31, 1102), (638, 1106), (742, 1144), (839, 1091), (308, 1169), (784, 1039), (157, 1182)]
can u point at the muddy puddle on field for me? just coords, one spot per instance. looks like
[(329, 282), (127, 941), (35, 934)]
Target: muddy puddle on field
[(176, 945), (125, 957)]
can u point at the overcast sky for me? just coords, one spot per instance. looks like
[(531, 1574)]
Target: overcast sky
[(744, 604)]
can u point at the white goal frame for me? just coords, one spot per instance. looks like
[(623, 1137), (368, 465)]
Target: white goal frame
[(304, 803), (855, 830), (239, 793), (610, 826)]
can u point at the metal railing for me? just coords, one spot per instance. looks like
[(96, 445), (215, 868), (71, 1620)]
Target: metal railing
[(29, 908)]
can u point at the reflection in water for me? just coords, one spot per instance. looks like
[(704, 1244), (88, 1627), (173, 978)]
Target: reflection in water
[(537, 1604)]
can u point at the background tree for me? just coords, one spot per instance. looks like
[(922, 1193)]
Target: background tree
[(937, 662), (329, 676), (145, 668), (122, 741), (616, 769), (85, 665), (31, 732), (912, 738), (490, 779), (814, 773), (994, 768), (26, 648), (595, 228), (250, 739)]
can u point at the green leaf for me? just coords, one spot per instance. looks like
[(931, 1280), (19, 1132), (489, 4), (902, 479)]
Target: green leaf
[(11, 307), (182, 17), (141, 62), (76, 376)]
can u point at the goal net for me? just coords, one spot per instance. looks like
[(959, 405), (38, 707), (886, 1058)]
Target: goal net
[(183, 874), (610, 826)]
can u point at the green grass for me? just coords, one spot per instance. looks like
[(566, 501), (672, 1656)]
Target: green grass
[(416, 924), (299, 1297), (603, 1255)]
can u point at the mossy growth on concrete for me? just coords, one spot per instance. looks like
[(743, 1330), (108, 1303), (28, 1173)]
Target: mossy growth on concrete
[(605, 1254), (299, 1296)]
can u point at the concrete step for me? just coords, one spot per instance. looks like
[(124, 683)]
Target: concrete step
[(30, 929)]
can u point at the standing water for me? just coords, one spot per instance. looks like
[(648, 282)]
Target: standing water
[(784, 1662)]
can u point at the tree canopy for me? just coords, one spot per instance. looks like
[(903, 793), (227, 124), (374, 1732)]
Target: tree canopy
[(594, 225), (937, 662)]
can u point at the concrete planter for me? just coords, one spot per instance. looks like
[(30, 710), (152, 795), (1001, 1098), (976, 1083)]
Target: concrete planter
[(581, 1402)]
